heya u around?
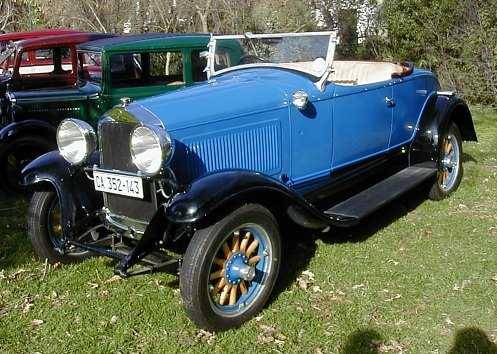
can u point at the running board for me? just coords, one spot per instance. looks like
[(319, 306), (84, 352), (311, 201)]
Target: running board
[(352, 210)]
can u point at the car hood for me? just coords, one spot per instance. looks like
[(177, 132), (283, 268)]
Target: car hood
[(233, 94)]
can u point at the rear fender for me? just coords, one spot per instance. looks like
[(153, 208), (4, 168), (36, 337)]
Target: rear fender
[(31, 126), (77, 197), (440, 110), (216, 194)]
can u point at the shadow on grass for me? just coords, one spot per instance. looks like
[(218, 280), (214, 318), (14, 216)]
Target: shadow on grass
[(380, 219), (472, 340), (468, 158), (301, 246), (363, 341)]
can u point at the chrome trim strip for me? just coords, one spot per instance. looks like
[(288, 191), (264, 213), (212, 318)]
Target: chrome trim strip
[(446, 93)]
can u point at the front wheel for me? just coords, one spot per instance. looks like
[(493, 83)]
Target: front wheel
[(45, 230), (230, 268), (450, 170)]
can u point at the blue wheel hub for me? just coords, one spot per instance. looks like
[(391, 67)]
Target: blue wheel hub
[(238, 269)]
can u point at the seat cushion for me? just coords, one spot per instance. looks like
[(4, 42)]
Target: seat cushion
[(363, 72)]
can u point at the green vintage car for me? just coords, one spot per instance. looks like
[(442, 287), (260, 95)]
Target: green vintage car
[(108, 71)]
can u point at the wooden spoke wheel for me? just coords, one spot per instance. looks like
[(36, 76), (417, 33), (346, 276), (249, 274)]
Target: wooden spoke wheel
[(236, 265), (450, 156), (230, 268), (450, 169), (46, 232)]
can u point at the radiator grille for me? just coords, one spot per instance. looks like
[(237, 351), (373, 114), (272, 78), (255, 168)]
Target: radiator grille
[(115, 155)]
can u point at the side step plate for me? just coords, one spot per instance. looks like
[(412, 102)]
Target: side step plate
[(361, 205)]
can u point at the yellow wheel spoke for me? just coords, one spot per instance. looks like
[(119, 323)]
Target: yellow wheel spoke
[(226, 250), (218, 286), (219, 262), (252, 248), (236, 241), (448, 147), (233, 293), (221, 284), (254, 260), (441, 177), (243, 245), (217, 275), (224, 295), (243, 288)]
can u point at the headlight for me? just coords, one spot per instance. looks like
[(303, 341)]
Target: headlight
[(150, 148), (76, 140)]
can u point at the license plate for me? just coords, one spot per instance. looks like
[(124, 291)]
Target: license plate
[(129, 186)]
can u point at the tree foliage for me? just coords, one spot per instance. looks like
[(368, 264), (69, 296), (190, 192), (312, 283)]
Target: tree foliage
[(455, 38)]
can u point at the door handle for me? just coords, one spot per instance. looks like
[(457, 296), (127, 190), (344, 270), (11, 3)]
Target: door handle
[(390, 102)]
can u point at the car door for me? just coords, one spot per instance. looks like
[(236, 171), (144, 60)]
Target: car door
[(311, 138), (362, 121), (410, 95)]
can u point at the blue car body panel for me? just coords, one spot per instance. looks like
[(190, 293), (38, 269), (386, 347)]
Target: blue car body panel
[(246, 120)]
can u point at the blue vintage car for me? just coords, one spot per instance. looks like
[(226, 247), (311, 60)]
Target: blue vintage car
[(280, 134)]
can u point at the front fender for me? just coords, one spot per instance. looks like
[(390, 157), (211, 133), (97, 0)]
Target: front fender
[(77, 197), (439, 111), (31, 126), (216, 193)]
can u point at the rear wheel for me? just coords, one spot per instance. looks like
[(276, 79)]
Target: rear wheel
[(45, 230), (17, 154), (230, 268), (450, 170)]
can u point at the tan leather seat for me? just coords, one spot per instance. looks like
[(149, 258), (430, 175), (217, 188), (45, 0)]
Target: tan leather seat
[(363, 72)]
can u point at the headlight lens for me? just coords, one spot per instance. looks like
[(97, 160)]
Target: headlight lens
[(76, 140), (150, 149)]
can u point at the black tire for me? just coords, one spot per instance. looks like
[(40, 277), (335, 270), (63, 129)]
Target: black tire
[(438, 191), (15, 155), (197, 261), (41, 233)]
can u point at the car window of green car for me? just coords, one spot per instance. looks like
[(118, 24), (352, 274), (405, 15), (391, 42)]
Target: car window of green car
[(90, 67), (198, 66), (146, 69)]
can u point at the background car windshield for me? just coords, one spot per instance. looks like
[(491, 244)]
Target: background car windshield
[(90, 66), (7, 61), (303, 52)]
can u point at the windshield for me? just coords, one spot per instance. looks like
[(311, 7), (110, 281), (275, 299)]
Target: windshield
[(90, 66), (311, 53)]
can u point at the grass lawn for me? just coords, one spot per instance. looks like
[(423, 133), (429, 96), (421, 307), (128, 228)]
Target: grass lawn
[(418, 276)]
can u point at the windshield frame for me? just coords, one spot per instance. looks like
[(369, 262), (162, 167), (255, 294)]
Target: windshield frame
[(81, 79), (5, 54), (211, 71)]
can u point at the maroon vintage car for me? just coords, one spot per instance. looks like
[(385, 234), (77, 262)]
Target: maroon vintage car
[(36, 78), (7, 38), (43, 62)]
